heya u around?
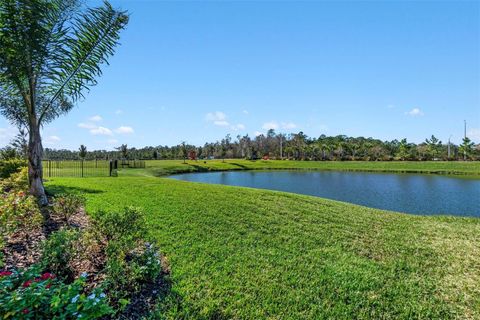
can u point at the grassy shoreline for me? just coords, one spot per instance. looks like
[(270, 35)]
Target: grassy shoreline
[(168, 167), (246, 253)]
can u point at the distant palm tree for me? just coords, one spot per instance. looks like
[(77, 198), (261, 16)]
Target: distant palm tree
[(123, 151), (184, 150), (82, 151)]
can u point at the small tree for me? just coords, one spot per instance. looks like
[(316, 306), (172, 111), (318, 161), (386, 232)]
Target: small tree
[(51, 52), (183, 150), (433, 146), (82, 152), (466, 148), (123, 151), (20, 143), (403, 150)]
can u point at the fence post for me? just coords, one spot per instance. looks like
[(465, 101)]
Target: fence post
[(49, 168), (111, 165), (81, 164)]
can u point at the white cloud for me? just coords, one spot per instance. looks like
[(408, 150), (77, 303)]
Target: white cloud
[(118, 111), (86, 125), (221, 123), (258, 133), (239, 126), (270, 125), (6, 134), (95, 118), (51, 140), (216, 116), (414, 112), (101, 131), (474, 134), (112, 141), (124, 130), (288, 125), (275, 125)]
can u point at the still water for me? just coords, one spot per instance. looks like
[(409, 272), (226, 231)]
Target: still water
[(410, 193)]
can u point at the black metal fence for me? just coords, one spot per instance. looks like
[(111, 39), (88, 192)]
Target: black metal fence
[(79, 168), (87, 168), (130, 164)]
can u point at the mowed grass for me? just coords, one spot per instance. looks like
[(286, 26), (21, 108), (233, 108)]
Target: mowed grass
[(165, 167), (239, 253)]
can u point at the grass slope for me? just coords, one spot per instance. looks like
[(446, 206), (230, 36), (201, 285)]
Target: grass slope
[(255, 254), (165, 167)]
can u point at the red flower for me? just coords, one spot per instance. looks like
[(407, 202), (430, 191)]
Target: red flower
[(47, 275), (5, 273), (25, 311), (27, 284), (48, 286)]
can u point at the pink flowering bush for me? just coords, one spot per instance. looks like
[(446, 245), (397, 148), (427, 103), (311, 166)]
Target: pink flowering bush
[(30, 294)]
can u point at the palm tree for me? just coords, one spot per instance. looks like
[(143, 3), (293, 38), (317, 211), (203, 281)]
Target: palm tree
[(123, 151), (183, 147), (51, 52), (82, 151)]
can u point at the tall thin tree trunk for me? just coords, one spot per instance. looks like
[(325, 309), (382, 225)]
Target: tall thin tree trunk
[(35, 171)]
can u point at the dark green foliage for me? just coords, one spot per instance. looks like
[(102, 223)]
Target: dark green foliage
[(66, 205), (7, 167), (131, 261), (31, 294), (59, 250)]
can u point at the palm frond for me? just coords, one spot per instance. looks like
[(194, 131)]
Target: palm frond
[(95, 34)]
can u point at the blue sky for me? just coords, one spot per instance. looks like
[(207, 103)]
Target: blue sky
[(196, 71)]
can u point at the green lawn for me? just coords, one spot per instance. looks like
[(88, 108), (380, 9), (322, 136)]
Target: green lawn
[(255, 254), (163, 167)]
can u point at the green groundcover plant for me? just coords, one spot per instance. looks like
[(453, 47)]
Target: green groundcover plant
[(30, 294)]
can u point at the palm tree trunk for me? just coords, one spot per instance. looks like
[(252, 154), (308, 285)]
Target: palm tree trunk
[(35, 171)]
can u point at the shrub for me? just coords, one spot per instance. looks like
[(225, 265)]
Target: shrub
[(59, 250), (7, 167), (66, 205), (18, 211), (126, 226), (16, 181), (32, 295), (130, 260)]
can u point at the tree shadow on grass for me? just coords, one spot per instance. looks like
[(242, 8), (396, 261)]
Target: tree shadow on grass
[(239, 165), (54, 190), (199, 168)]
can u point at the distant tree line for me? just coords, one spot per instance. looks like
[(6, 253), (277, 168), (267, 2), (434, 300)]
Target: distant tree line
[(295, 146)]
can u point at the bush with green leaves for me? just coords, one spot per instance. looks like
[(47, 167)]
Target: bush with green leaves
[(131, 261), (59, 250), (17, 181), (18, 211), (66, 205), (30, 294), (7, 167)]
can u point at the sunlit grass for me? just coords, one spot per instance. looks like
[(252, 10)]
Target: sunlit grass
[(253, 254)]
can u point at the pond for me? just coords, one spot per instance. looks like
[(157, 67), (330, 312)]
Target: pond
[(410, 193)]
